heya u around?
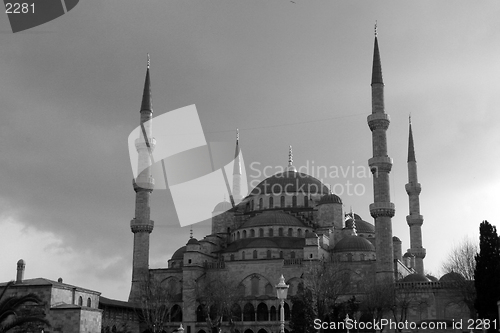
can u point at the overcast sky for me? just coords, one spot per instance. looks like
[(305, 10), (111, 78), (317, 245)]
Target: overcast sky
[(283, 73)]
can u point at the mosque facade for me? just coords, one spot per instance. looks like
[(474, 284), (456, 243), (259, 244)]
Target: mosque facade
[(287, 225)]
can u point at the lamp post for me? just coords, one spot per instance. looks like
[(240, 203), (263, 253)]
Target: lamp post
[(282, 291)]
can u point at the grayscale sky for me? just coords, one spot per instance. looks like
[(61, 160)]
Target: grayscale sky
[(283, 73)]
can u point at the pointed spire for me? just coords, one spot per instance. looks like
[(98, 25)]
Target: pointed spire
[(147, 104), (237, 165), (377, 66), (411, 148)]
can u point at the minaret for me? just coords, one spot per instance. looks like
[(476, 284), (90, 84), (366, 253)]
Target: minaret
[(141, 225), (415, 220), (237, 171), (382, 209)]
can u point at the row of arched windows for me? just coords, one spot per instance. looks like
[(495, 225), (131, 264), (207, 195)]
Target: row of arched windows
[(270, 233), (245, 256), (80, 301), (282, 202), (249, 313)]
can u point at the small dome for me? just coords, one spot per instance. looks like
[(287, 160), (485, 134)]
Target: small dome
[(407, 255), (273, 217), (222, 207), (353, 243), (311, 235), (415, 277), (396, 239), (362, 227), (329, 198), (193, 241), (179, 254), (21, 262), (432, 278), (451, 277), (289, 182)]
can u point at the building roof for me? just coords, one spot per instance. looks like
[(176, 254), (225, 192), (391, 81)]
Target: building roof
[(179, 254), (273, 217), (353, 243), (267, 242), (47, 282), (192, 241), (290, 182), (361, 226), (116, 303), (329, 198)]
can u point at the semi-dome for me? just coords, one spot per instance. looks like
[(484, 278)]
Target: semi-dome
[(290, 182), (222, 207), (452, 277), (179, 254), (353, 243), (274, 217), (329, 198), (361, 226), (193, 241), (415, 277)]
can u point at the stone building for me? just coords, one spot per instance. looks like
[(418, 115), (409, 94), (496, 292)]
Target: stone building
[(289, 224), (68, 308)]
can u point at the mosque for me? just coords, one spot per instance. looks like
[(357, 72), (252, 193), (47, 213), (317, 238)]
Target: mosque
[(287, 225)]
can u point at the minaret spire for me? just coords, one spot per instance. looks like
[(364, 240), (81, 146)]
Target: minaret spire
[(237, 171), (141, 225), (382, 209), (414, 220), (290, 160)]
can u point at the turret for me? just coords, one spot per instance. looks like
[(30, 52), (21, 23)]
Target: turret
[(141, 225), (21, 264), (414, 220), (382, 209)]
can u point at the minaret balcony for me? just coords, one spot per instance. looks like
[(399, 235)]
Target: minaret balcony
[(143, 183), (380, 164), (418, 252), (140, 143), (414, 220), (413, 188), (379, 120), (382, 209), (138, 226)]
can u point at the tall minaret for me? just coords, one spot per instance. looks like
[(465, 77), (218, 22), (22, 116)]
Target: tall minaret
[(237, 171), (415, 220), (141, 225), (380, 164)]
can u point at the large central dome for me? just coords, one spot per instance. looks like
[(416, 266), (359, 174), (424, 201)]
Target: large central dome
[(290, 182)]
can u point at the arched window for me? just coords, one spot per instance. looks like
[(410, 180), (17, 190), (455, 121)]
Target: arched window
[(236, 312), (252, 233), (244, 234), (306, 201), (80, 301), (261, 203), (280, 232), (269, 289), (271, 202), (243, 255), (299, 232), (282, 201), (89, 302), (273, 313), (251, 205), (292, 255), (261, 232), (262, 312), (232, 257), (238, 235), (271, 232), (268, 254), (294, 201), (255, 286), (176, 313), (281, 254), (255, 254), (362, 256), (290, 232), (200, 313), (248, 312)]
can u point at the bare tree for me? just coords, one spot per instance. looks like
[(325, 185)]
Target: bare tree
[(461, 263), (155, 303), (218, 293)]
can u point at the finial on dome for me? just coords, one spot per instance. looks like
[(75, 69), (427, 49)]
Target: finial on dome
[(191, 232), (237, 135), (149, 61), (376, 33), (290, 160), (409, 118)]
